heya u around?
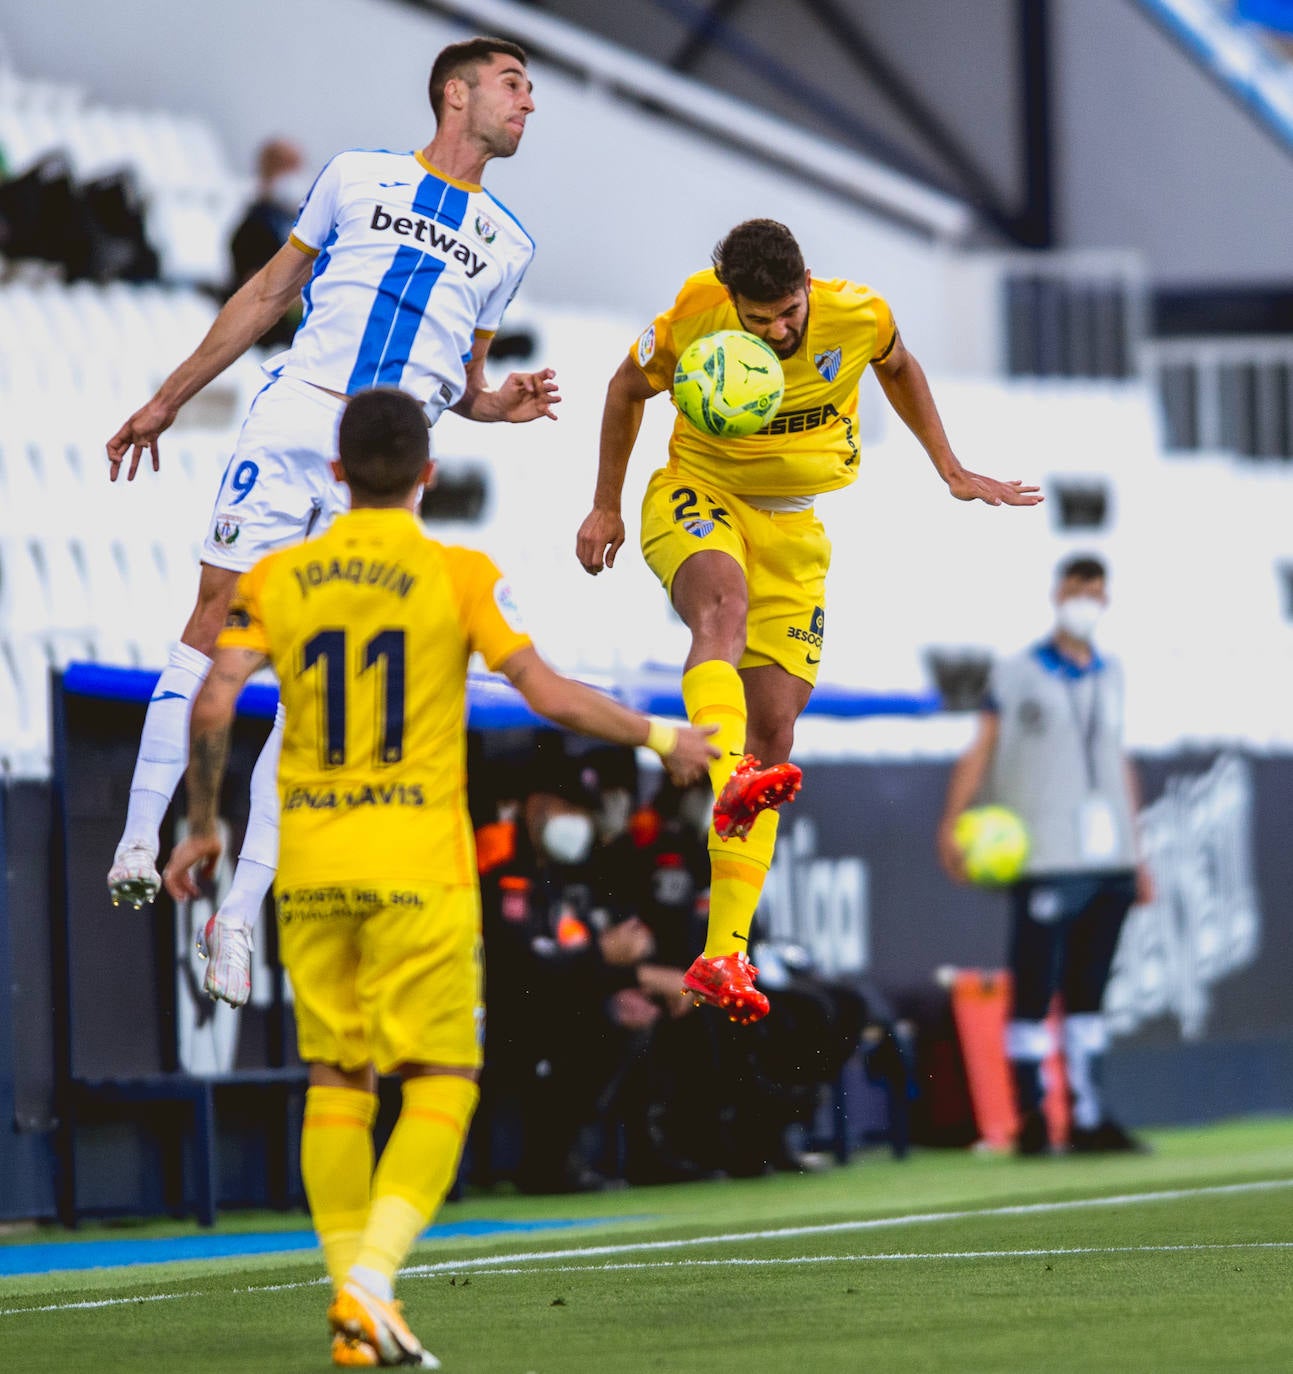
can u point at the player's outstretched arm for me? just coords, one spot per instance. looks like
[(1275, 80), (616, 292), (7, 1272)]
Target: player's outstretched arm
[(245, 316), (210, 726), (686, 751), (522, 396), (601, 535), (903, 381)]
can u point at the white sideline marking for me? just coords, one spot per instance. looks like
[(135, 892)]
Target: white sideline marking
[(521, 1263), (899, 1255), (839, 1227)]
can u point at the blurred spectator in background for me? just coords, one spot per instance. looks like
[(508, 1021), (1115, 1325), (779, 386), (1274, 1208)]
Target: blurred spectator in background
[(281, 186), (562, 977), (696, 1095), (1049, 747), (90, 230)]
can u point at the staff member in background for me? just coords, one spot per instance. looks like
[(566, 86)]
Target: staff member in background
[(266, 225), (1049, 747)]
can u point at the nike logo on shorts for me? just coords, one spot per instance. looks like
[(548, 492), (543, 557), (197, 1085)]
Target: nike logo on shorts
[(808, 658)]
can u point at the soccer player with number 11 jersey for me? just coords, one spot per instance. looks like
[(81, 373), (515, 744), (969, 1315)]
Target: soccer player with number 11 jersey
[(369, 629)]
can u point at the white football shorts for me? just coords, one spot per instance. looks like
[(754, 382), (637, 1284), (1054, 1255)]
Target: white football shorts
[(278, 488)]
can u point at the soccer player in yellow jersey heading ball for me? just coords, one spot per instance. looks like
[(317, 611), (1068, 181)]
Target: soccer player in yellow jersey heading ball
[(729, 528), (369, 629)]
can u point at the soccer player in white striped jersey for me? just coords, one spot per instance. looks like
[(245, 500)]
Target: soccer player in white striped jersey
[(406, 265)]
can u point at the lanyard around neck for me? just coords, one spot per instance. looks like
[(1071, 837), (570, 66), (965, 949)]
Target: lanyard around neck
[(1089, 729)]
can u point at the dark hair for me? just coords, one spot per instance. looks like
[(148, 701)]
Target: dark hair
[(463, 60), (759, 260), (383, 442), (1085, 567), (554, 773)]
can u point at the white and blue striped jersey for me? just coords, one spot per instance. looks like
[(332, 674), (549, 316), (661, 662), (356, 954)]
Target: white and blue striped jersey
[(410, 265)]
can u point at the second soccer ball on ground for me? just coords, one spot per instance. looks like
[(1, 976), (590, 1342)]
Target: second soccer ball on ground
[(728, 383)]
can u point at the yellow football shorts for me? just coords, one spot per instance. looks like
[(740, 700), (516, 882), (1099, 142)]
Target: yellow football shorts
[(784, 555), (385, 974)]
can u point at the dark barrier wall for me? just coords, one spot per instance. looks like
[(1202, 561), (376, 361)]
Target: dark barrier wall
[(1198, 1001), (27, 1019)]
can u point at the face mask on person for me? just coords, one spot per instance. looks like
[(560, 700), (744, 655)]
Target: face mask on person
[(1079, 615), (568, 838), (290, 190)]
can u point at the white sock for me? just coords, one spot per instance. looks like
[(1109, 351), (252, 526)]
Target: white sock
[(377, 1284), (253, 875), (163, 745), (1085, 1041)]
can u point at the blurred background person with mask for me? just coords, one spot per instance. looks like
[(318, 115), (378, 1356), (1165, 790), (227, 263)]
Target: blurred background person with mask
[(1049, 747), (557, 968), (281, 186)]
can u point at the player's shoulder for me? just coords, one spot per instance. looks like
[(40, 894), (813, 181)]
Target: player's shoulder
[(374, 164), (847, 297), (274, 563), (701, 291), (507, 219), (466, 564), (265, 571)]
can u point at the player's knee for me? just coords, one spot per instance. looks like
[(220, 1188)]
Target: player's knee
[(719, 620)]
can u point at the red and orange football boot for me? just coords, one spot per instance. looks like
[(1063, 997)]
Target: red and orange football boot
[(727, 982), (753, 788)]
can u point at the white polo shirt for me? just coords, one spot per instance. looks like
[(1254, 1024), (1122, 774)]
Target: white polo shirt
[(1059, 759)]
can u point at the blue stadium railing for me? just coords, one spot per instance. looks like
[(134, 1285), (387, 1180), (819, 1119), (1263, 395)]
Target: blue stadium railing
[(494, 704)]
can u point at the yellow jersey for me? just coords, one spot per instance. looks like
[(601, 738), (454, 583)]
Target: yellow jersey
[(369, 629), (811, 444)]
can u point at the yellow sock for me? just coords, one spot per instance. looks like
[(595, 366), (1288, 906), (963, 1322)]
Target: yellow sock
[(417, 1167), (736, 874), (337, 1169), (714, 694)]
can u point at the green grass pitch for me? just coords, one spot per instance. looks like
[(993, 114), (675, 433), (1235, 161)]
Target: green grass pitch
[(1178, 1260)]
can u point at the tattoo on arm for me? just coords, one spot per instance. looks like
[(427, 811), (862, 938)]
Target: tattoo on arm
[(208, 754)]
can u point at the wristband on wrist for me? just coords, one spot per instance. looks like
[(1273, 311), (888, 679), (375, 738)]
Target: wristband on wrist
[(662, 737)]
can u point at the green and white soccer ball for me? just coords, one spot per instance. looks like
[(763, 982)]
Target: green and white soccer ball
[(994, 844), (728, 383)]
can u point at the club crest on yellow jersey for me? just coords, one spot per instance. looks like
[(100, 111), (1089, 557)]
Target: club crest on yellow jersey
[(828, 363)]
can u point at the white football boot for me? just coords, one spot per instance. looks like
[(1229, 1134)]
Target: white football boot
[(133, 876), (226, 946)]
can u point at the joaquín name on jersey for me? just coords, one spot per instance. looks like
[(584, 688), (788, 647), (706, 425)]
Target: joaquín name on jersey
[(369, 629), (410, 266), (811, 444)]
